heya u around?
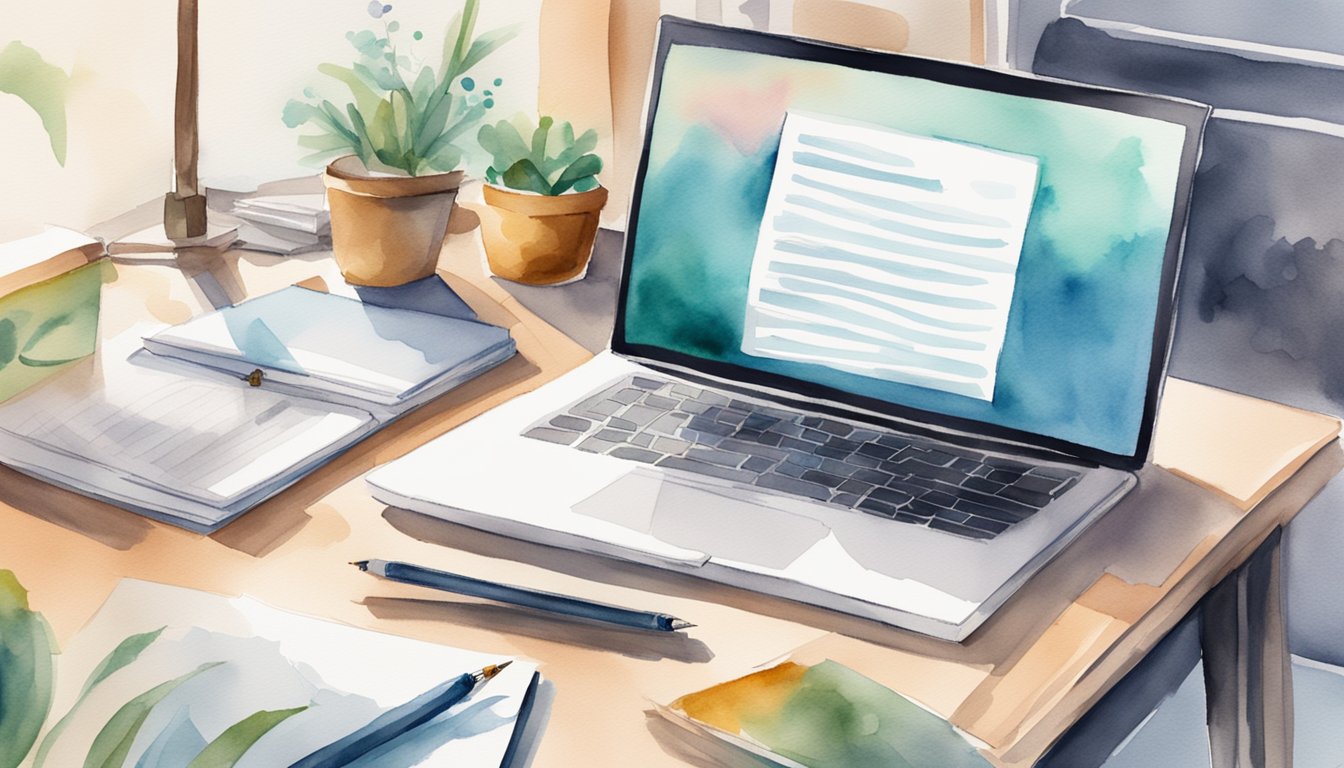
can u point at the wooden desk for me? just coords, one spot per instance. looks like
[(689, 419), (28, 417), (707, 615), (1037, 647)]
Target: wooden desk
[(1017, 683)]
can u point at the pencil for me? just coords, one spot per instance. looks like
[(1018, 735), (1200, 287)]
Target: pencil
[(398, 720), (529, 598)]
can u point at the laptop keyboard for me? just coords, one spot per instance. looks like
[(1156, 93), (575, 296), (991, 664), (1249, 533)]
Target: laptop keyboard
[(875, 471)]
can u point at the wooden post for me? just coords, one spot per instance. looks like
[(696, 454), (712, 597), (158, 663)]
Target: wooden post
[(184, 207)]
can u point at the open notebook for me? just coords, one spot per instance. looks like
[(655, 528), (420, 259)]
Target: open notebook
[(185, 677), (183, 436)]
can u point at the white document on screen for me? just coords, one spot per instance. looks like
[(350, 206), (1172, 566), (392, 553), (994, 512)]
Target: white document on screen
[(889, 255)]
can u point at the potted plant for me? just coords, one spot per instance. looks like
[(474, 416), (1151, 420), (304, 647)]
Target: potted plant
[(543, 200), (395, 174)]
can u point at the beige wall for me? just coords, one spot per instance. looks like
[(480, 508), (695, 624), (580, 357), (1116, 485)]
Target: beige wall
[(255, 55)]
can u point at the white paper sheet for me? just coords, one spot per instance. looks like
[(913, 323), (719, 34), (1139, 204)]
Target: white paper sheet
[(272, 660), (889, 255)]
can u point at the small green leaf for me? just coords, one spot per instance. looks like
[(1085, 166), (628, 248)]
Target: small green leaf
[(113, 742), (226, 750), (40, 85), (127, 651), (365, 99), (524, 175), (9, 342), (585, 167), (485, 45), (26, 681), (538, 151)]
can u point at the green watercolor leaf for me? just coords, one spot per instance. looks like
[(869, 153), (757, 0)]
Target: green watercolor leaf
[(584, 168), (48, 327), (226, 750), (485, 45), (113, 742), (524, 175), (26, 675), (365, 98), (9, 342), (41, 86), (127, 651)]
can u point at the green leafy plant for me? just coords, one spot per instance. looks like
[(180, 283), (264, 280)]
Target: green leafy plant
[(552, 163), (26, 671), (403, 115)]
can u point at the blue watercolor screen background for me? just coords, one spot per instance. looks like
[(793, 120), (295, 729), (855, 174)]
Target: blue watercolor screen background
[(1075, 359)]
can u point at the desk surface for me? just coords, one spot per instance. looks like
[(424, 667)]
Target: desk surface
[(1017, 683)]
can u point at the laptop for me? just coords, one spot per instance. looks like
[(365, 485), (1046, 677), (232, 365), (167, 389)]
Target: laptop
[(891, 333)]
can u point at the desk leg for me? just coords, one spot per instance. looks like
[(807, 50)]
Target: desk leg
[(1247, 672)]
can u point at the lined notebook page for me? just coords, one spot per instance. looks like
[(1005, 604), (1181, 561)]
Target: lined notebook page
[(889, 255), (204, 438)]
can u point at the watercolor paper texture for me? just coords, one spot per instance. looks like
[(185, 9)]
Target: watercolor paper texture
[(273, 685), (888, 255)]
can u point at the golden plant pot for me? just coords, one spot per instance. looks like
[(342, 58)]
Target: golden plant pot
[(540, 239), (387, 230)]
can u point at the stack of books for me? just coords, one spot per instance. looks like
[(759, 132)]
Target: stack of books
[(284, 224)]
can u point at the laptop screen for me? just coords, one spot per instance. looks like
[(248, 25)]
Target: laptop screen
[(922, 240)]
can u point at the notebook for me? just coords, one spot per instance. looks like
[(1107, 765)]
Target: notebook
[(891, 333), (168, 675), (211, 417), (822, 715)]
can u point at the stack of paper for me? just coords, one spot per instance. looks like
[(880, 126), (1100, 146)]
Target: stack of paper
[(284, 224), (227, 409)]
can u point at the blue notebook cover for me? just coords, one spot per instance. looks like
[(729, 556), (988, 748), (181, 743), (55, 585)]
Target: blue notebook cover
[(333, 344)]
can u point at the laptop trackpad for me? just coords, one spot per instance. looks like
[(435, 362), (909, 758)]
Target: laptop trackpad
[(704, 520)]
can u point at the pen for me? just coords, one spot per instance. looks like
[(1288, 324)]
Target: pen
[(530, 598), (398, 720)]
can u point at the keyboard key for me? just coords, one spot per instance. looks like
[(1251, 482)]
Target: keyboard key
[(635, 454), (794, 486), (714, 456), (571, 423), (1031, 498), (823, 478), (961, 530), (552, 435), (981, 484), (709, 470), (758, 464), (752, 449), (875, 507), (660, 402), (1037, 484), (891, 496)]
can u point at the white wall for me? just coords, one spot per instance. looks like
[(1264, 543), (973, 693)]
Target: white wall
[(119, 114), (254, 56), (257, 55)]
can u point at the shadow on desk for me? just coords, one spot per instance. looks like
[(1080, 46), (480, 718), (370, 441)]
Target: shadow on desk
[(1120, 561), (275, 521), (636, 644), (87, 517)]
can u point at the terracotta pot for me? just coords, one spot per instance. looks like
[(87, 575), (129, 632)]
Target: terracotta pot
[(540, 239), (387, 230)]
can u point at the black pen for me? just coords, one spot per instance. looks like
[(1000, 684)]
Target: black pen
[(398, 720), (530, 598)]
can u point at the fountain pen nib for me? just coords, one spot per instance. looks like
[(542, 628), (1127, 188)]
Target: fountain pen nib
[(492, 670)]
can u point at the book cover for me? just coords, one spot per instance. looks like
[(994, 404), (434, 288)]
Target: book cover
[(823, 715), (334, 344)]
